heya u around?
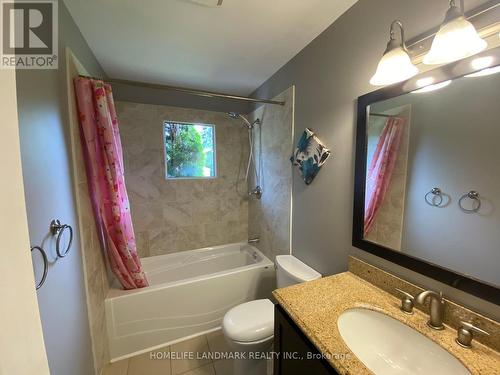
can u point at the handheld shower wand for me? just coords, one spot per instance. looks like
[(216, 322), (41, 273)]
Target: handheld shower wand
[(245, 120), (257, 190)]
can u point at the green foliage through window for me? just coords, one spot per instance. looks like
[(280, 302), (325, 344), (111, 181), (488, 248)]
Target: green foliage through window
[(189, 150)]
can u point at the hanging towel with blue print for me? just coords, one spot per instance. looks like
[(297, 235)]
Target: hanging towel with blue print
[(310, 155)]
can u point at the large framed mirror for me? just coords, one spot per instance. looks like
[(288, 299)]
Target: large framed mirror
[(427, 178)]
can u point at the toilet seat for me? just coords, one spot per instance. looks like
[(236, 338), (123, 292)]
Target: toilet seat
[(250, 322), (252, 344)]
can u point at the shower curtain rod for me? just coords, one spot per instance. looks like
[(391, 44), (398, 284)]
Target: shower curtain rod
[(380, 115), (206, 94)]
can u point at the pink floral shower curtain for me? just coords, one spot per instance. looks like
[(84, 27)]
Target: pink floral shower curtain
[(381, 168), (104, 164)]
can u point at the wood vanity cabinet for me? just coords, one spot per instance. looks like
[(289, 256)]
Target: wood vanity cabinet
[(293, 347)]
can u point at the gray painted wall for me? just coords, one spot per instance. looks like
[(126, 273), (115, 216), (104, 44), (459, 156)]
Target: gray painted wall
[(45, 150), (329, 74)]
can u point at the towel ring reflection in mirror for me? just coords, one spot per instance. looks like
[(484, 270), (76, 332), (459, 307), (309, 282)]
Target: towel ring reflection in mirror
[(434, 197), (476, 202), (56, 228), (45, 265)]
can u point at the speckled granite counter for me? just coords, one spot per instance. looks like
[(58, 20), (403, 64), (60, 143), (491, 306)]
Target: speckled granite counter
[(316, 305)]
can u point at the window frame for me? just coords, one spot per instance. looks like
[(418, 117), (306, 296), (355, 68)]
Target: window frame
[(164, 144)]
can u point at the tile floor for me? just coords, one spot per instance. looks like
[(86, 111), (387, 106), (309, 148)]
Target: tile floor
[(209, 343)]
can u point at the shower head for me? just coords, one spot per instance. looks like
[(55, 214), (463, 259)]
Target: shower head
[(248, 125)]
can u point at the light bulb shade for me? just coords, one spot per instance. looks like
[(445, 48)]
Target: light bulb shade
[(395, 66), (455, 40)]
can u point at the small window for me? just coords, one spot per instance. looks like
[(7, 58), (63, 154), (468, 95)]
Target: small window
[(189, 150)]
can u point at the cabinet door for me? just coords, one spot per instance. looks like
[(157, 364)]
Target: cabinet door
[(294, 349)]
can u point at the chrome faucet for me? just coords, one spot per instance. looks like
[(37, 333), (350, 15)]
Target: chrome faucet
[(436, 307)]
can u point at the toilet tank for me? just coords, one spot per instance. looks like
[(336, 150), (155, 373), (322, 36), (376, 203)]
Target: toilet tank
[(290, 270)]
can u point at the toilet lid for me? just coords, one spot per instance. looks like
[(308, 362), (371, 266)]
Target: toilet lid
[(250, 321)]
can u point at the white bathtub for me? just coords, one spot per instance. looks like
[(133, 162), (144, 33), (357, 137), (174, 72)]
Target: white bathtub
[(189, 294)]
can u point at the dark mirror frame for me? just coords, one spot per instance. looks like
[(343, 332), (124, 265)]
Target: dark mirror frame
[(462, 282)]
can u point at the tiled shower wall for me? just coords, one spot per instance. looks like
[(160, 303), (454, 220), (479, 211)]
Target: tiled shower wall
[(270, 217), (177, 215)]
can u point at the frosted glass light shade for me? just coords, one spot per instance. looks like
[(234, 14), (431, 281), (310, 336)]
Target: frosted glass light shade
[(455, 40), (395, 66)]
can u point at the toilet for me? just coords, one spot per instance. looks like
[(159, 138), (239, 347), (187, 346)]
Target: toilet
[(249, 327)]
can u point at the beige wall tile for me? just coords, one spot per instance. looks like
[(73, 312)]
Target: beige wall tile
[(177, 215), (180, 213), (269, 218)]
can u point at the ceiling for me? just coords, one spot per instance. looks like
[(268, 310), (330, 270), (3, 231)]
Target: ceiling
[(233, 48)]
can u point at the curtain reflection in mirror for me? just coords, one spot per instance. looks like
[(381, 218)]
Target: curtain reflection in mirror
[(381, 168)]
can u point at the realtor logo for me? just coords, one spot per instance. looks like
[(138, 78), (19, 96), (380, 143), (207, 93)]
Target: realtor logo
[(29, 37)]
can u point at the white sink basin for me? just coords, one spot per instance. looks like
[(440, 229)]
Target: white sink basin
[(387, 346)]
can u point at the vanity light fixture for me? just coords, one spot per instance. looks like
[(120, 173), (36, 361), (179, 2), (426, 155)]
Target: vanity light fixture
[(456, 39), (395, 65), (422, 82), (482, 62), (485, 72), (483, 65), (430, 88)]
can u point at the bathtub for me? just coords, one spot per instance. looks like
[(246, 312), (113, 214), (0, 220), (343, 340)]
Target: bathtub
[(189, 294)]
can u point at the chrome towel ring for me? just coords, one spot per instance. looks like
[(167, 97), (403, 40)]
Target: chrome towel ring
[(56, 228), (476, 204), (434, 197), (45, 265)]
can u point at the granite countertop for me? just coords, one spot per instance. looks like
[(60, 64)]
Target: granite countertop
[(316, 305)]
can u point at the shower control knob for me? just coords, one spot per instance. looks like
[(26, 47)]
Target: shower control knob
[(256, 192)]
